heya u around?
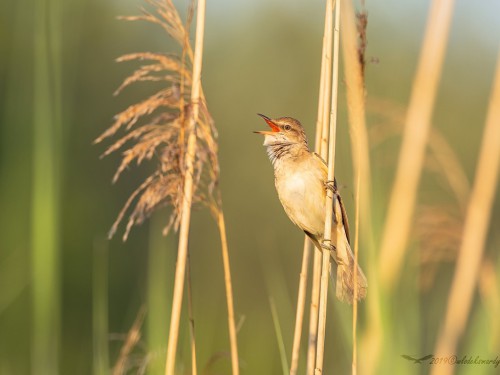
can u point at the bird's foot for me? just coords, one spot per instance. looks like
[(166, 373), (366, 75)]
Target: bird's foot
[(331, 185), (327, 245)]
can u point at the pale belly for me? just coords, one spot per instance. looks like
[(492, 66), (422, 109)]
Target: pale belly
[(302, 195)]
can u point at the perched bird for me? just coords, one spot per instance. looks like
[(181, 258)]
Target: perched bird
[(301, 180)]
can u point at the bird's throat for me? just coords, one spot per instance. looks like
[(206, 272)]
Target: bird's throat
[(278, 152)]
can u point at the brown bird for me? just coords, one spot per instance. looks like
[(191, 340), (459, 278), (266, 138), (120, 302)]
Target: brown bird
[(301, 179)]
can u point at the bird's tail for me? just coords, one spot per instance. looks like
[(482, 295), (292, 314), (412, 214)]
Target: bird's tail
[(344, 258), (346, 284)]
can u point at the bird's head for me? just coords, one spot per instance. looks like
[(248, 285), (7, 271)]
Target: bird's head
[(284, 130)]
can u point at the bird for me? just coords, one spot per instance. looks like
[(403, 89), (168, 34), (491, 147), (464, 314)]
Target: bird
[(301, 180)]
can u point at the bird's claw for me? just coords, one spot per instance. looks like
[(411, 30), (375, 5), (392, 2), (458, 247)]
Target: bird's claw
[(330, 185), (327, 245)]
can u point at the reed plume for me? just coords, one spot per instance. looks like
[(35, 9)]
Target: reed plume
[(417, 125), (354, 43), (156, 128), (174, 128), (474, 236), (438, 227)]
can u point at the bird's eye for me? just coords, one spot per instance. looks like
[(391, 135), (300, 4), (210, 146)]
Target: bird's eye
[(287, 127)]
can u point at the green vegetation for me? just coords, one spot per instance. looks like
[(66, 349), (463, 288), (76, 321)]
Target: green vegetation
[(69, 297)]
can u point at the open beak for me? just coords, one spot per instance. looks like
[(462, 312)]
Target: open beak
[(274, 128)]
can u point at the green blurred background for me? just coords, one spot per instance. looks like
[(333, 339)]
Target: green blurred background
[(260, 56)]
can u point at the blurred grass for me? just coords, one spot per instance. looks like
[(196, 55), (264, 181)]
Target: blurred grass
[(264, 58), (45, 209), (100, 269), (159, 291)]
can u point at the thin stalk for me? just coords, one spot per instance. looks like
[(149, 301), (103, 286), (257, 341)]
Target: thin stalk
[(325, 268), (320, 145), (489, 290), (327, 66), (301, 303), (194, 370), (229, 293), (354, 368), (325, 271), (475, 231), (313, 313), (46, 180), (133, 337), (100, 309), (279, 336), (360, 147), (187, 194), (159, 293), (411, 159), (356, 111)]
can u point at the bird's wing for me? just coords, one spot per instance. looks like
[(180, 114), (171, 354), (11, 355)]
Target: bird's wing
[(318, 156), (345, 222), (344, 218)]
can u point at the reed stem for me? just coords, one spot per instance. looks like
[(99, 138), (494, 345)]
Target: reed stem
[(404, 191), (354, 79), (229, 293), (321, 148), (187, 195), (313, 313), (194, 369), (301, 302), (45, 247), (279, 336), (475, 231), (354, 366), (325, 268), (133, 337)]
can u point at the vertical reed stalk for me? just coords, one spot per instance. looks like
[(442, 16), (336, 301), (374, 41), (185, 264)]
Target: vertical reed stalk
[(279, 336), (133, 337), (194, 370), (100, 309), (301, 302), (313, 313), (325, 269), (321, 148), (354, 366), (475, 231), (359, 141), (188, 194), (417, 125), (45, 279), (356, 110), (229, 293), (327, 67)]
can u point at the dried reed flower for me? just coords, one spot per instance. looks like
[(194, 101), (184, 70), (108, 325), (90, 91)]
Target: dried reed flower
[(403, 196), (439, 233), (126, 359), (361, 25), (437, 228), (174, 127), (156, 127)]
